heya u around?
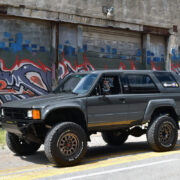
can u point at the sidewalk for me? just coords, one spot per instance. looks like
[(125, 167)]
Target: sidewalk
[(96, 140)]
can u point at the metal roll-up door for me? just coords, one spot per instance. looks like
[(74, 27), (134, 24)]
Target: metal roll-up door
[(156, 54), (112, 48)]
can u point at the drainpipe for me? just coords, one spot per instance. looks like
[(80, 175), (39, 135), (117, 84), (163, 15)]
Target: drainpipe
[(146, 47), (55, 53), (171, 44)]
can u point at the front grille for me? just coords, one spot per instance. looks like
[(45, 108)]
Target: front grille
[(15, 113)]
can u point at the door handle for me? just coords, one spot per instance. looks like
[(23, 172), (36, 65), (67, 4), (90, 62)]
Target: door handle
[(123, 100)]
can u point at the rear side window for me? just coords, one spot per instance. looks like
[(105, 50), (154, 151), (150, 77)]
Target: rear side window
[(166, 79), (139, 83)]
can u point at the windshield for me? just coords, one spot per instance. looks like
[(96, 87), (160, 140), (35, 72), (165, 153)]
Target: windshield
[(76, 83)]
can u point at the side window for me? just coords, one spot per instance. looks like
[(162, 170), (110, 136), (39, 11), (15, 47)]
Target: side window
[(108, 85), (139, 83), (166, 79)]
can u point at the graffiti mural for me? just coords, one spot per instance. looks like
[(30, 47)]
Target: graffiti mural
[(66, 68), (151, 57), (175, 56), (175, 61), (17, 43), (22, 74), (23, 80), (175, 67), (27, 77)]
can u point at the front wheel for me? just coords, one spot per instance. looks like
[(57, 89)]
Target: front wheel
[(115, 138), (20, 146), (66, 144), (162, 134)]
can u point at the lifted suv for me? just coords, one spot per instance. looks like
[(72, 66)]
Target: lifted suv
[(115, 103)]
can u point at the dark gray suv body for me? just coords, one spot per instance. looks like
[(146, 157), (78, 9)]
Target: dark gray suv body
[(116, 103)]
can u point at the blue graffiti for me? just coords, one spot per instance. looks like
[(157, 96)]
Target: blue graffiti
[(28, 80), (109, 52), (81, 50), (68, 49), (152, 58), (108, 48), (2, 45), (7, 35), (139, 53), (17, 44), (85, 47), (104, 52), (175, 56)]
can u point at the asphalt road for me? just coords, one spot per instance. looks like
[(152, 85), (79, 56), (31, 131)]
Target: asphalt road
[(134, 160)]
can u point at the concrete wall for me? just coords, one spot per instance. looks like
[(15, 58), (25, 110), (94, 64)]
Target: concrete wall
[(131, 14), (109, 48), (25, 66), (40, 39), (152, 12)]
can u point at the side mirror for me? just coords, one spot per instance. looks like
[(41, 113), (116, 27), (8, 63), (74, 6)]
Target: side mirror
[(95, 92)]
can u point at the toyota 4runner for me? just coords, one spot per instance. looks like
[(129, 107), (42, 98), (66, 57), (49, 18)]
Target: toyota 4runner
[(115, 103)]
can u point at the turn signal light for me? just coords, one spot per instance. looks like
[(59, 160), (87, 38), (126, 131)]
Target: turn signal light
[(36, 114)]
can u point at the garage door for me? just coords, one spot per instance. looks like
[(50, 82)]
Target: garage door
[(112, 49)]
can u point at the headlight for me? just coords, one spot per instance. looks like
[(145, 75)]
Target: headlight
[(2, 112), (29, 113), (34, 114)]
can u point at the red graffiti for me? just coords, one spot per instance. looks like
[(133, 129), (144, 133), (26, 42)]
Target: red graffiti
[(122, 66), (3, 84), (37, 80), (64, 64), (175, 68), (29, 92), (154, 68), (22, 62), (24, 77), (133, 67)]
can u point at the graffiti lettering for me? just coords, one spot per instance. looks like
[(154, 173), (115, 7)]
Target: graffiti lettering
[(65, 67), (25, 79)]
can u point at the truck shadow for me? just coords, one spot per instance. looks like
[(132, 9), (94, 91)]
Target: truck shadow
[(99, 153)]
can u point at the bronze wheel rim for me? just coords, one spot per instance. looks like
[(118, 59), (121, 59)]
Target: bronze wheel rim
[(68, 144), (166, 134)]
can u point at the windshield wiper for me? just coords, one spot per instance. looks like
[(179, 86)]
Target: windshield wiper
[(74, 93), (66, 91), (61, 91)]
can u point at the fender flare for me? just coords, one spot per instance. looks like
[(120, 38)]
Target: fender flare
[(49, 110), (157, 103)]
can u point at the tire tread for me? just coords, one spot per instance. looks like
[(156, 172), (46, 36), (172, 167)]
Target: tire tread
[(151, 133)]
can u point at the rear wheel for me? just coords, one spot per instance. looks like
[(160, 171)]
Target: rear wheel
[(162, 133), (115, 138), (66, 144), (20, 146)]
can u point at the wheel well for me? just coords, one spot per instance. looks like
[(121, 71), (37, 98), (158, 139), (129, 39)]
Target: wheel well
[(165, 110), (64, 115)]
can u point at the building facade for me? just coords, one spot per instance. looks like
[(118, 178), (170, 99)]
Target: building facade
[(43, 41)]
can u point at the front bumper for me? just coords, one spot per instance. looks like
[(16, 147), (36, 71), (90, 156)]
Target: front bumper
[(18, 126)]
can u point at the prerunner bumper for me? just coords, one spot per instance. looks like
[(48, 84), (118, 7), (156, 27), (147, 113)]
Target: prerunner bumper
[(17, 126)]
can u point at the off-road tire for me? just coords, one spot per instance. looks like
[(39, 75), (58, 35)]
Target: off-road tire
[(162, 133), (66, 144), (115, 138), (19, 146)]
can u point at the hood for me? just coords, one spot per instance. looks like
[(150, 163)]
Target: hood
[(40, 101)]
